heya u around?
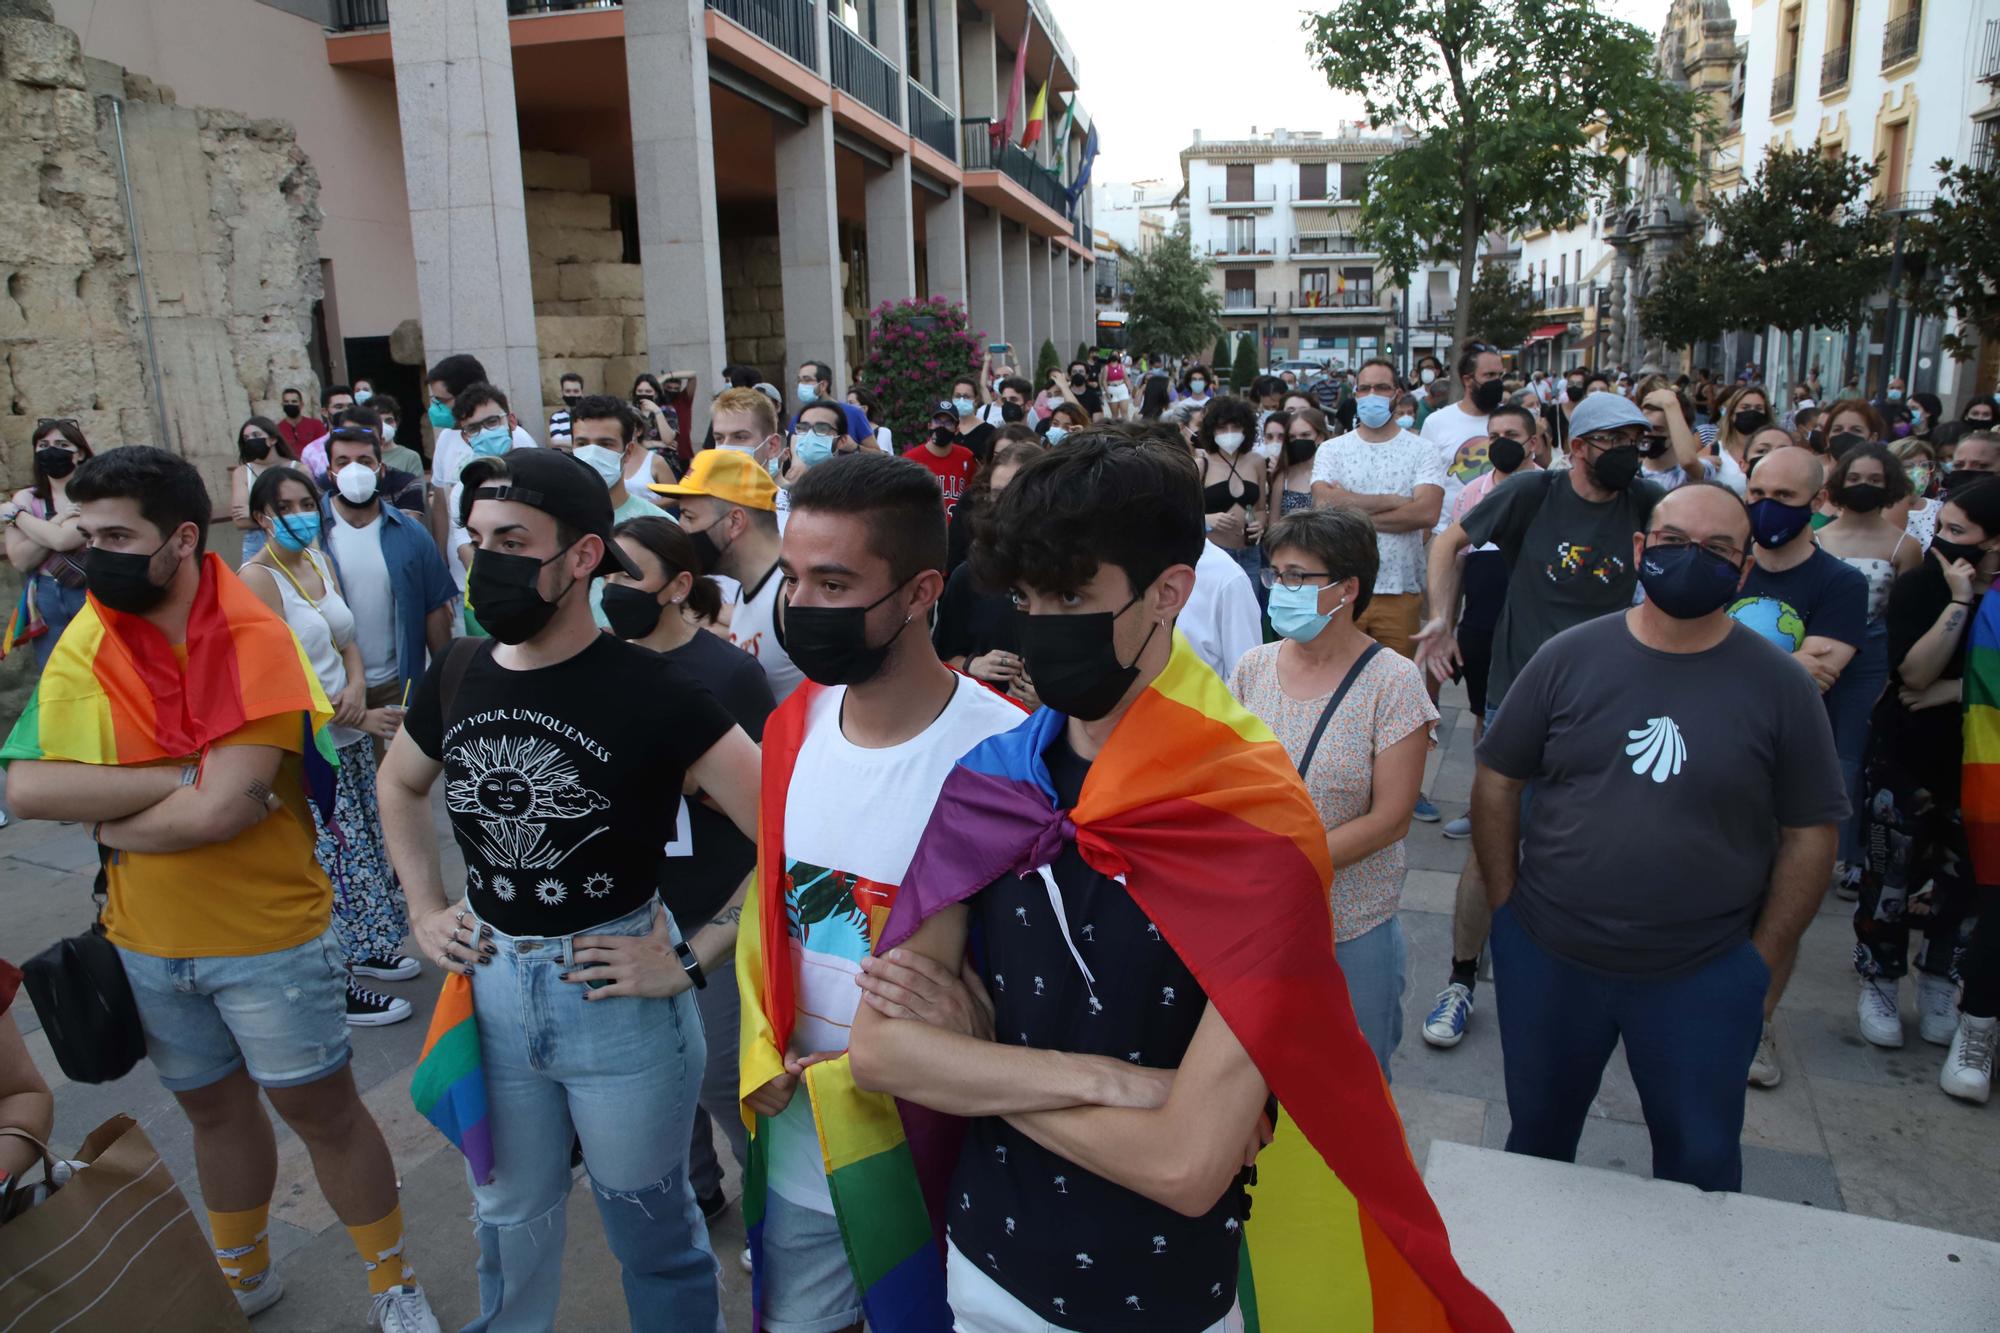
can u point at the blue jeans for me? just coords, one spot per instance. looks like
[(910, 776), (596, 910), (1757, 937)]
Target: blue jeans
[(1375, 964), (1849, 705), (58, 606), (621, 1075), (1688, 1039)]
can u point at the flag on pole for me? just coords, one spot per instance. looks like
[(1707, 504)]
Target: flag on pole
[(1076, 187), (1003, 129), (1060, 144), (1038, 118)]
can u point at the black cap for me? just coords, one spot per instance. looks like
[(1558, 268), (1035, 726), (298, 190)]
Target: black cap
[(560, 485)]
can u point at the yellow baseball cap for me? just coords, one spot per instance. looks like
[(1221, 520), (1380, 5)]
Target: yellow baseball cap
[(729, 475)]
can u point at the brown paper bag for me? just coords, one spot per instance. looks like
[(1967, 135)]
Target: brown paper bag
[(116, 1248)]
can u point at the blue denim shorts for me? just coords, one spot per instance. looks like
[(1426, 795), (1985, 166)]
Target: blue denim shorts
[(283, 1015)]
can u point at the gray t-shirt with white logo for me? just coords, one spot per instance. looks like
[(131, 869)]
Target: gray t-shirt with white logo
[(1660, 783)]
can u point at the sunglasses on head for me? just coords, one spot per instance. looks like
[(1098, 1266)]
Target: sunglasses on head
[(45, 423)]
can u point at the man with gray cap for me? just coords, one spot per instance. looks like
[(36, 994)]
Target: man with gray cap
[(1566, 535)]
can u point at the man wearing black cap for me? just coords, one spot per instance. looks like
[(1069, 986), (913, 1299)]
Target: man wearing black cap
[(561, 793)]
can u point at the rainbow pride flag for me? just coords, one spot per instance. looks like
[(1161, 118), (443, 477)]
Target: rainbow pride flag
[(1979, 797), (115, 692), (24, 624), (449, 1084), (872, 1171), (1197, 806)]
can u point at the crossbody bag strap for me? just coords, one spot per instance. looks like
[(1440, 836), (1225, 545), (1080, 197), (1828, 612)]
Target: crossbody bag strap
[(1333, 704)]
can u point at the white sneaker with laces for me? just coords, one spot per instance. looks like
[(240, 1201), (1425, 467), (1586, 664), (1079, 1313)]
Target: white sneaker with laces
[(255, 1300), (1937, 1009), (1968, 1068), (402, 1309), (1880, 1011), (1764, 1071)]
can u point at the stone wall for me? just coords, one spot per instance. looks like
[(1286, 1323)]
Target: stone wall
[(590, 306)]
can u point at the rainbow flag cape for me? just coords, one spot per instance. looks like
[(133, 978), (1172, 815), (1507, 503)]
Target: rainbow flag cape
[(25, 624), (1979, 797), (872, 1172), (449, 1084), (114, 692), (1342, 1234)]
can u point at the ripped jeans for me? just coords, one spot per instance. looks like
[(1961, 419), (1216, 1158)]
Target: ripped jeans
[(623, 1075)]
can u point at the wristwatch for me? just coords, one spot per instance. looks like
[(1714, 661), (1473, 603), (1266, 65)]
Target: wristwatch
[(691, 963)]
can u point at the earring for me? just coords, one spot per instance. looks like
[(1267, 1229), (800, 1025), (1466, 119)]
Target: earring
[(676, 601)]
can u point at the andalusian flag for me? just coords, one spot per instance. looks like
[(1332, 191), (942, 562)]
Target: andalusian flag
[(1979, 796), (114, 691), (1197, 807)]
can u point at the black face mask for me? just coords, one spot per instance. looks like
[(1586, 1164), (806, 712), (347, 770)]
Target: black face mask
[(1574, 392), (55, 463), (1487, 396), (1951, 550), (1012, 412), (292, 410), (1861, 497), (1506, 455), (1960, 479), (706, 553), (505, 596), (830, 643), (632, 612), (1616, 467), (1653, 446), (942, 435), (123, 580), (1845, 440), (570, 400), (1073, 661), (253, 451), (1749, 421)]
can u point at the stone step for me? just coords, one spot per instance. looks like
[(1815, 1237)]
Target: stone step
[(554, 171)]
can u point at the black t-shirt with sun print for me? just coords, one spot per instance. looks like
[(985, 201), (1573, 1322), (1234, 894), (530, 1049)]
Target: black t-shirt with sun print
[(562, 782)]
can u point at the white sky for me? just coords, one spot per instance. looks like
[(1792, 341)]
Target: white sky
[(1154, 71)]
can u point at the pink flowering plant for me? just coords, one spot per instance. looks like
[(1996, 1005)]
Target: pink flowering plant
[(916, 349)]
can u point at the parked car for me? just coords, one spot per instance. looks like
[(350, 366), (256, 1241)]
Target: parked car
[(1307, 371)]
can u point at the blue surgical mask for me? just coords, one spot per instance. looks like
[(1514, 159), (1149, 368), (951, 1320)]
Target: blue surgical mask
[(1372, 411), (808, 392), (295, 532), (608, 464), (491, 442), (1406, 421), (363, 395), (1895, 395), (812, 449), (440, 415), (1295, 612), (963, 406), (1197, 386), (1055, 435)]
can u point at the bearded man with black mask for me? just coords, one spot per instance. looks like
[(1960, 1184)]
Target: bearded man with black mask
[(1481, 375)]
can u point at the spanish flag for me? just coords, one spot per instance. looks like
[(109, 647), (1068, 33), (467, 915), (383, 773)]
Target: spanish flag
[(1038, 118)]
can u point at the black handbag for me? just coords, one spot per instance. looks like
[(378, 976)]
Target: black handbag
[(80, 993)]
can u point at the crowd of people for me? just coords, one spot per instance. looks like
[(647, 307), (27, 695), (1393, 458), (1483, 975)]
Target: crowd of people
[(1714, 657)]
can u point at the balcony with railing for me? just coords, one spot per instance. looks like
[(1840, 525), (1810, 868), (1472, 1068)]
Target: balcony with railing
[(1784, 89), (1245, 300), (1986, 150), (979, 153), (1833, 71), (864, 73), (931, 122), (1328, 243), (1563, 295), (1433, 314), (1084, 234), (1242, 196), (360, 15), (1900, 37), (789, 25), (1357, 297), (1242, 247), (1989, 59)]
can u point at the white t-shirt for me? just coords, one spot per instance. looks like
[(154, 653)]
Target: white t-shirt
[(1221, 619), (1448, 429), (364, 580), (1394, 466), (752, 627), (839, 868)]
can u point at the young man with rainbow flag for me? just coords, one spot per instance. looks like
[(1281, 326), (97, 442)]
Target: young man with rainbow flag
[(852, 762), (180, 719), (1130, 888)]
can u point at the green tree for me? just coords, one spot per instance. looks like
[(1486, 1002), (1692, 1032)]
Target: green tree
[(1047, 362), (1503, 307), (1225, 352), (1689, 300), (1246, 368), (1083, 351), (1525, 113), (1957, 248), (1172, 309)]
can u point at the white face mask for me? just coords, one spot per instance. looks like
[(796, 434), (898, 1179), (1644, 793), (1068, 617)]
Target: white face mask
[(356, 482), (608, 464), (1229, 441), (1427, 375), (1268, 450), (388, 432)]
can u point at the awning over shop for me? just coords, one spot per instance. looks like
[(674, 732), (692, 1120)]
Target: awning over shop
[(1545, 333)]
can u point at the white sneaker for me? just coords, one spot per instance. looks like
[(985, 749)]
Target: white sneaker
[(1764, 1071), (745, 1259), (1968, 1068), (402, 1309), (1937, 1009), (1846, 881), (1880, 1011), (255, 1300)]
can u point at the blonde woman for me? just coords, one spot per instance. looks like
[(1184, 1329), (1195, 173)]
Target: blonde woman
[(1744, 413)]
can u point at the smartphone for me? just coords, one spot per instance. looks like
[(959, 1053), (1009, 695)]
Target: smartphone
[(996, 348)]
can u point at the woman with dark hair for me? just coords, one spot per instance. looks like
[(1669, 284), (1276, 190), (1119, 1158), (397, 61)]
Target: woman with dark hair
[(1196, 383), (977, 627), (1917, 872), (1155, 398), (871, 407), (670, 610), (259, 445), (1291, 486), (654, 428), (43, 541), (1231, 492), (293, 578), (1926, 416)]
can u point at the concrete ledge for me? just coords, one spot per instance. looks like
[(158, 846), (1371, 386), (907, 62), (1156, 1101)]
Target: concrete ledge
[(1562, 1247)]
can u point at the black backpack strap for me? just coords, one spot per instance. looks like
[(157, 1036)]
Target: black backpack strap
[(1333, 704), (458, 658)]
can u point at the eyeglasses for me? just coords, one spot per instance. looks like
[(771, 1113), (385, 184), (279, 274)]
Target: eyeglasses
[(49, 423), (1720, 549), (1295, 578), (484, 423), (1595, 441), (819, 429)]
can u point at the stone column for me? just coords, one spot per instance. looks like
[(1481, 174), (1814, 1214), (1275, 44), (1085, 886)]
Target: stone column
[(944, 245), (809, 245), (462, 170), (673, 163), (1017, 272), (943, 79), (986, 296), (1061, 261), (1041, 300), (978, 58), (891, 212)]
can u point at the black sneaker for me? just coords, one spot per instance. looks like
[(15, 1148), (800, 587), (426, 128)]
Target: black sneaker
[(372, 1009), (393, 968), (713, 1205)]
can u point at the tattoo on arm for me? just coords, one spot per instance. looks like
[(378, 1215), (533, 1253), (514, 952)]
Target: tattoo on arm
[(258, 791), (1952, 622), (729, 916)]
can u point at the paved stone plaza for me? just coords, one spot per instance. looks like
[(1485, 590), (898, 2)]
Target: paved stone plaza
[(1851, 1128)]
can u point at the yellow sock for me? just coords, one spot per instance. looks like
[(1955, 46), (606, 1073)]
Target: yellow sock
[(380, 1244), (242, 1245)]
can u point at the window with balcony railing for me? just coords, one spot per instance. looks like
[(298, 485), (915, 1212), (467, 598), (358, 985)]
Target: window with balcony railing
[(1833, 71), (864, 73), (931, 123), (1989, 60), (1900, 37), (1784, 88), (785, 24)]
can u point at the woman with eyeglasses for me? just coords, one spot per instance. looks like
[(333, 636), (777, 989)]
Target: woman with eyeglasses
[(259, 445), (43, 540), (1358, 724)]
